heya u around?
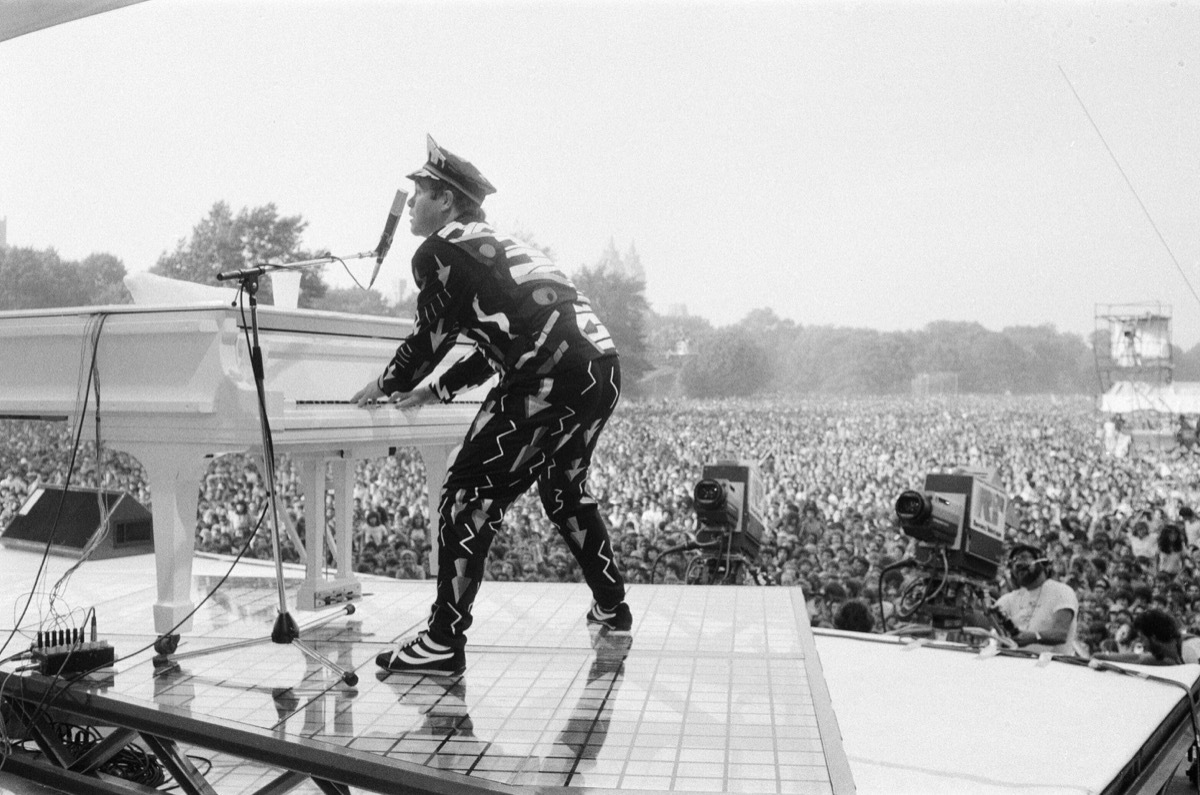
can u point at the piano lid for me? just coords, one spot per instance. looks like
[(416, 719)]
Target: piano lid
[(188, 360)]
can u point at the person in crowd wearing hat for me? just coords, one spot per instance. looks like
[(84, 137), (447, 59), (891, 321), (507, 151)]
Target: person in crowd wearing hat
[(559, 380), (1043, 610)]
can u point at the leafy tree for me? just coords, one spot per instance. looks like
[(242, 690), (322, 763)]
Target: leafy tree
[(1187, 365), (25, 278), (764, 322), (527, 237), (31, 279), (869, 363), (610, 258), (800, 364), (1055, 362), (357, 301), (729, 363), (983, 361), (620, 301), (222, 242), (633, 263), (838, 360), (666, 333)]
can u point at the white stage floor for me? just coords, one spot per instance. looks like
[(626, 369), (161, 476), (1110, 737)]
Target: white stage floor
[(724, 689)]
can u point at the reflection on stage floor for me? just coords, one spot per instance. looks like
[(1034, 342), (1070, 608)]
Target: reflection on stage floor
[(716, 690)]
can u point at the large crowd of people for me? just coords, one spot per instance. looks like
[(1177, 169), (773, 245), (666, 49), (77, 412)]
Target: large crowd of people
[(1119, 529)]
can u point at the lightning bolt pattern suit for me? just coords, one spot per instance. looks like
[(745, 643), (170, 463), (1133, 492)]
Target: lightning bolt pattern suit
[(559, 382)]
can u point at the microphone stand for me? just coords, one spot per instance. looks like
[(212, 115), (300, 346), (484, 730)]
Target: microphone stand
[(285, 630)]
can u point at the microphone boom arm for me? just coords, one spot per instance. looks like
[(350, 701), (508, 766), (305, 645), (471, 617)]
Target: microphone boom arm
[(271, 267)]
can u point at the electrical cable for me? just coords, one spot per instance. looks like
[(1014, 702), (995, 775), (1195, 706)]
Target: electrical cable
[(44, 706), (903, 563), (102, 505), (349, 273), (94, 327), (942, 580), (1100, 665), (729, 567), (92, 383), (130, 763), (62, 497), (680, 548), (197, 759)]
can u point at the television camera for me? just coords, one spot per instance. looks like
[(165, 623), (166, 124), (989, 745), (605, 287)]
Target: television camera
[(959, 521), (729, 501)]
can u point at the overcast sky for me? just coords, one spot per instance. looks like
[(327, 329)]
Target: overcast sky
[(863, 164)]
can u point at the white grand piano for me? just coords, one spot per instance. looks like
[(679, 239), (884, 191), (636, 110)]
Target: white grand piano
[(176, 389)]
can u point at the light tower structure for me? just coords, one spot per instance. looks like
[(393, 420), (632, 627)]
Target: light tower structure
[(1132, 343)]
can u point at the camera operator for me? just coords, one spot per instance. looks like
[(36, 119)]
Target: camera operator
[(1043, 610)]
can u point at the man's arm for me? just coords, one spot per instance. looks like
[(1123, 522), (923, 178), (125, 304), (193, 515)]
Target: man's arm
[(444, 290), (463, 374), (1056, 634)]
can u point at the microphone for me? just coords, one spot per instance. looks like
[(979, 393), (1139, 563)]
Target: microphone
[(389, 229)]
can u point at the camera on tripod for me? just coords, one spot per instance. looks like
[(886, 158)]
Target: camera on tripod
[(959, 522), (729, 502), (960, 515)]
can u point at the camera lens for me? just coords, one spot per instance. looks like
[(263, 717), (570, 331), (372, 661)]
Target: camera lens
[(912, 506), (709, 494)]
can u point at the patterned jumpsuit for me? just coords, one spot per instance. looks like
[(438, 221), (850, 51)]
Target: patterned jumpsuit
[(559, 383)]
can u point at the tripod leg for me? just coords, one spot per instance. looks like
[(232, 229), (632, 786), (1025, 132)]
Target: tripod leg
[(344, 610), (349, 677)]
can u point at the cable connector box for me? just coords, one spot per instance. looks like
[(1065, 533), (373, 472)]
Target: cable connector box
[(72, 658)]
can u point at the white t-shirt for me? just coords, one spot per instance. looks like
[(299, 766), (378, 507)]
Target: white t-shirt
[(1143, 547), (1191, 649), (1033, 611), (1192, 529)]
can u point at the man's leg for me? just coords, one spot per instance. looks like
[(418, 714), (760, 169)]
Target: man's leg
[(477, 492), (509, 444), (519, 432), (479, 486), (562, 485)]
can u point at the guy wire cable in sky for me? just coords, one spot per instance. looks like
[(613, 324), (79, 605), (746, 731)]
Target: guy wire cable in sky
[(1132, 189)]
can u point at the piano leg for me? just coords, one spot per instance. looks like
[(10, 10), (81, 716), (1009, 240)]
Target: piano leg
[(437, 458), (343, 554), (317, 592), (174, 477)]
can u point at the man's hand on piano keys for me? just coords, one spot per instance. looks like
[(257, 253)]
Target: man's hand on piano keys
[(371, 396), (418, 397), (368, 396)]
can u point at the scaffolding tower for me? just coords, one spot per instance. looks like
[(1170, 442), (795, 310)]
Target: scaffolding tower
[(1132, 342)]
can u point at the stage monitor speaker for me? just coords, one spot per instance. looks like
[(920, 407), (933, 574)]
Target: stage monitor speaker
[(130, 526)]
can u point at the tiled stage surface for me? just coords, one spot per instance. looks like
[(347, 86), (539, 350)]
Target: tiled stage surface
[(714, 694)]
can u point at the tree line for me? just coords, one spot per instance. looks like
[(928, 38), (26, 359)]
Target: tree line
[(662, 355)]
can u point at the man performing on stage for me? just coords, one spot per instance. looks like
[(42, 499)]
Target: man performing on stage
[(559, 379)]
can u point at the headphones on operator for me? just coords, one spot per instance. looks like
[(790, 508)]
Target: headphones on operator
[(1039, 558)]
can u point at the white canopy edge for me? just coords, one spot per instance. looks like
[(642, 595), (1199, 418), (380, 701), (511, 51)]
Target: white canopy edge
[(1126, 397)]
